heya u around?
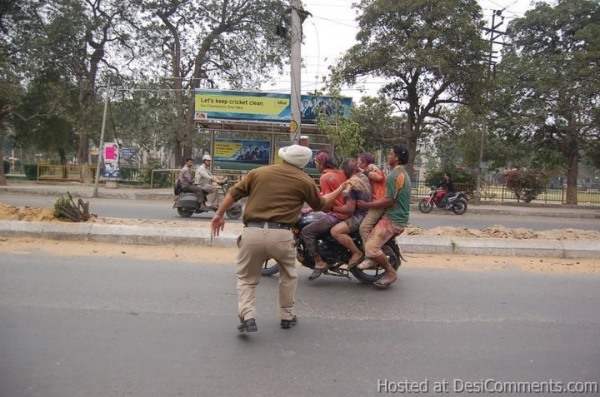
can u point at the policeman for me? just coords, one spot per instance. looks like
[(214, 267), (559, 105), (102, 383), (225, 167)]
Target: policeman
[(276, 194)]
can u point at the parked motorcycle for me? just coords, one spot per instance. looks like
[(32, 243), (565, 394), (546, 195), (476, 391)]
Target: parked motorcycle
[(335, 255), (455, 202), (188, 204)]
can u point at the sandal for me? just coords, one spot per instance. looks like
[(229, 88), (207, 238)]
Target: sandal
[(367, 264), (351, 264), (317, 273), (383, 285)]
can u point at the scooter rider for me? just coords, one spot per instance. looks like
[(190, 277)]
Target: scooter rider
[(205, 179), (185, 180)]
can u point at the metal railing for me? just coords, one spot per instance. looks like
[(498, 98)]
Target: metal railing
[(501, 194), (67, 172)]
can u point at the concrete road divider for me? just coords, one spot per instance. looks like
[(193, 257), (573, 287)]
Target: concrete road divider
[(155, 235)]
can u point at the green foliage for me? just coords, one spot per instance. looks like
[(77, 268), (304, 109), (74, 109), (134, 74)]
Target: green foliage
[(549, 87), (430, 50), (43, 119), (463, 179), (345, 135), (378, 126), (526, 184), (30, 171)]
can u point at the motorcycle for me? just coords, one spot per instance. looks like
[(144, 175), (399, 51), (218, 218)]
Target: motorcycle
[(188, 204), (455, 202), (335, 255)]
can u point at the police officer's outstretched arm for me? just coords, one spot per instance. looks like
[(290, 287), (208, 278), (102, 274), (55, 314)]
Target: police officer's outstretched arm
[(239, 190), (218, 221)]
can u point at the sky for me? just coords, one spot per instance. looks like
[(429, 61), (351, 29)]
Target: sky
[(332, 29)]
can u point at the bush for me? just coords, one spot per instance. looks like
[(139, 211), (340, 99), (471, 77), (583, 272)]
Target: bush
[(463, 180), (30, 171), (6, 166), (525, 184)]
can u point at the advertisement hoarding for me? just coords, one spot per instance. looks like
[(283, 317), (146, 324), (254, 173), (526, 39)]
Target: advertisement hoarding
[(265, 106), (241, 153)]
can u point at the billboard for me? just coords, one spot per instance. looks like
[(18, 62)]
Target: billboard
[(265, 106), (241, 153)]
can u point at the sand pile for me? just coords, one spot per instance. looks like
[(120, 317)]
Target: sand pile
[(498, 231), (25, 213)]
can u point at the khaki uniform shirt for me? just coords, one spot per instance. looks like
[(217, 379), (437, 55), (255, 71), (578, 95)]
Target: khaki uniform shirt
[(203, 176), (276, 193)]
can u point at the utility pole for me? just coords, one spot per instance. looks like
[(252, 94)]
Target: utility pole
[(491, 61), (101, 146), (296, 65)]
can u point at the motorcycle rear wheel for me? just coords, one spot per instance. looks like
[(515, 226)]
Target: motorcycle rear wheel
[(459, 207), (425, 206), (184, 213), (369, 276)]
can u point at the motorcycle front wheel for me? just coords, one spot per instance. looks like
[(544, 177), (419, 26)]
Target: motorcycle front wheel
[(270, 267), (185, 213), (459, 207), (369, 276), (425, 206)]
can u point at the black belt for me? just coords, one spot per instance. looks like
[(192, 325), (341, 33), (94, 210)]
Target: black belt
[(268, 225)]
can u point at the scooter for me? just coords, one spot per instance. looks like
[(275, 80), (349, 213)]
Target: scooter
[(188, 204)]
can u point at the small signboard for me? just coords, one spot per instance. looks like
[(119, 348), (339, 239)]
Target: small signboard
[(110, 163)]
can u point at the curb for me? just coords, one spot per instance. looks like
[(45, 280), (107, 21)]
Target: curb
[(87, 195), (149, 235), (501, 247), (580, 213)]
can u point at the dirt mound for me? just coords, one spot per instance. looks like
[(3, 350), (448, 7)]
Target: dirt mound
[(25, 213), (498, 231)]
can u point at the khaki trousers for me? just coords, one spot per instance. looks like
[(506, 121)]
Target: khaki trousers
[(211, 194), (256, 246), (369, 222)]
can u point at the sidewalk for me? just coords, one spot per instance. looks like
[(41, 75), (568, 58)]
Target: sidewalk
[(130, 193), (199, 235)]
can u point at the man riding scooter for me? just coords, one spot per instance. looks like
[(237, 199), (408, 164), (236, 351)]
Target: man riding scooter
[(185, 181), (205, 180)]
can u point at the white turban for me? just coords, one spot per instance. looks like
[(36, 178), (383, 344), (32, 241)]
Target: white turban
[(296, 155)]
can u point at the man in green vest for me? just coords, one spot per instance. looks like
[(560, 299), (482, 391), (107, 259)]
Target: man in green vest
[(395, 218)]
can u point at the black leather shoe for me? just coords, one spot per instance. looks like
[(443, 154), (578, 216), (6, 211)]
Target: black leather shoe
[(287, 324), (248, 326)]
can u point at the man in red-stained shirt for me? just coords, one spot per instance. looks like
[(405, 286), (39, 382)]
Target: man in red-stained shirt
[(331, 178)]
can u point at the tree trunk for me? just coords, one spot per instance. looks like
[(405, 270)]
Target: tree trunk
[(2, 176), (412, 151), (572, 172)]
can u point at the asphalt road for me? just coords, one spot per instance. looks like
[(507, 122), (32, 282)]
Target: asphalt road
[(152, 209), (99, 326)]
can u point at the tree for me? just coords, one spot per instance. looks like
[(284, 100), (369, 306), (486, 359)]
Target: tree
[(79, 41), (229, 40), (43, 119), (551, 72), (430, 51), (345, 136), (378, 125), (12, 14)]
